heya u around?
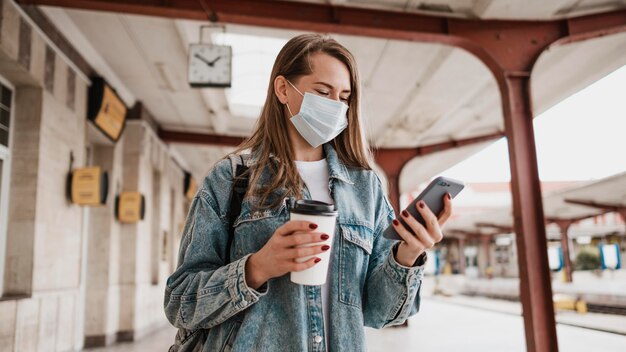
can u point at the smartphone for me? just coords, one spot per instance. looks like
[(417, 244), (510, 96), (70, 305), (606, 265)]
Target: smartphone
[(433, 197)]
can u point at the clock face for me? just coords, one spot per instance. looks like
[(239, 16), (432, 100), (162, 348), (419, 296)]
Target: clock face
[(210, 65)]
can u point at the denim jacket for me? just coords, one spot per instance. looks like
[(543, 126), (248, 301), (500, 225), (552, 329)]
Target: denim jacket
[(367, 286)]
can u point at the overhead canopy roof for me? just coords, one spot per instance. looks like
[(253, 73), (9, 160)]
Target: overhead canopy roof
[(608, 194), (415, 94), (602, 196), (489, 9)]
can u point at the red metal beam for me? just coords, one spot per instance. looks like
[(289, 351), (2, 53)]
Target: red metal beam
[(593, 204), (502, 228), (442, 146), (214, 139), (390, 160), (573, 219), (593, 26), (337, 19), (199, 138), (497, 55), (278, 14), (469, 234), (393, 160)]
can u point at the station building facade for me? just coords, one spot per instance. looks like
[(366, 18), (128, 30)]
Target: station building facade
[(74, 276)]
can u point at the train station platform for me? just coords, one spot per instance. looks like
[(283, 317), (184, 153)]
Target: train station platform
[(605, 297), (451, 321), (604, 293), (447, 324)]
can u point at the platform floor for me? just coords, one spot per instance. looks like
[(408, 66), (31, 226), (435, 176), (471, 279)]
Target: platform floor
[(444, 326)]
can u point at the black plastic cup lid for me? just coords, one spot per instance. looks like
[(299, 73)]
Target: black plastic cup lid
[(313, 207)]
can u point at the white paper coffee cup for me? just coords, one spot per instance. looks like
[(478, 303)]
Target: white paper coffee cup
[(325, 216)]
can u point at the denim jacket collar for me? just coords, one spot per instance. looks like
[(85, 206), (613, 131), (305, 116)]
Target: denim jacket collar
[(336, 169)]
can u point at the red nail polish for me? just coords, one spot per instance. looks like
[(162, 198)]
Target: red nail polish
[(325, 247), (405, 213), (312, 226), (421, 205), (317, 260), (396, 222), (449, 196), (324, 237)]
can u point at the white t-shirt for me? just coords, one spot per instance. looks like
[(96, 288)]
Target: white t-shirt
[(315, 176)]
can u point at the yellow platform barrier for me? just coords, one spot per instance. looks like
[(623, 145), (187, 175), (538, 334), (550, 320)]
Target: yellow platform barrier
[(567, 302)]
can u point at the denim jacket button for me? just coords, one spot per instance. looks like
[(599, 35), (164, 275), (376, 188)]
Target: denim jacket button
[(318, 339)]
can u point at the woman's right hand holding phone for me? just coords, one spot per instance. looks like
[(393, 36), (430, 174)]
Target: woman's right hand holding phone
[(277, 257)]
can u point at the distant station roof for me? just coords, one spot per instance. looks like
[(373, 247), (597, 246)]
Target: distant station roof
[(572, 204), (595, 198)]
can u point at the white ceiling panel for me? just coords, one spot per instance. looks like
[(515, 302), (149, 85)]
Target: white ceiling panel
[(563, 70), (367, 52), (414, 94)]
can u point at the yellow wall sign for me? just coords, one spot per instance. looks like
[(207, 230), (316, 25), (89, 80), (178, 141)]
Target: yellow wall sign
[(106, 109), (130, 207), (88, 186)]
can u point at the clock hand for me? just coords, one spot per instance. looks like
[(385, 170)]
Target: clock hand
[(203, 60), (214, 61)]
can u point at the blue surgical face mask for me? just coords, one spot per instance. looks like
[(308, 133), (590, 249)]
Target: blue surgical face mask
[(320, 119)]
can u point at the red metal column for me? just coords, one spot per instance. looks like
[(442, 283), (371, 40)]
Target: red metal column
[(392, 161), (535, 284), (564, 227)]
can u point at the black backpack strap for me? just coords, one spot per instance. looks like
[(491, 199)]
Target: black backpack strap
[(238, 192)]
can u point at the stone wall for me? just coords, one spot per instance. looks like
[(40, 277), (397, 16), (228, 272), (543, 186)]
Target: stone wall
[(75, 275)]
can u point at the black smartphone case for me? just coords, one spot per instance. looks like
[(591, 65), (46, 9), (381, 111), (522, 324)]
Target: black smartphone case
[(433, 197)]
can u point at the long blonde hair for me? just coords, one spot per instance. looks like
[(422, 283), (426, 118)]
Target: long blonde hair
[(271, 138)]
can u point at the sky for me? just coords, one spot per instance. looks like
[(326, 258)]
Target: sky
[(581, 138)]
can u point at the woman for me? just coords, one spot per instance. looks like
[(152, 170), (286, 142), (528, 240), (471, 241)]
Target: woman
[(305, 146)]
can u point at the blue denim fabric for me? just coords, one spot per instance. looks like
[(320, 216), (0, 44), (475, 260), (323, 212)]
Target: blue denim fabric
[(367, 288)]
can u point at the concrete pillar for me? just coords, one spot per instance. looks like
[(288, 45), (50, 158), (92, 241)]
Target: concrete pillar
[(156, 228), (142, 274), (25, 174), (134, 238), (462, 259), (485, 255), (102, 292)]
